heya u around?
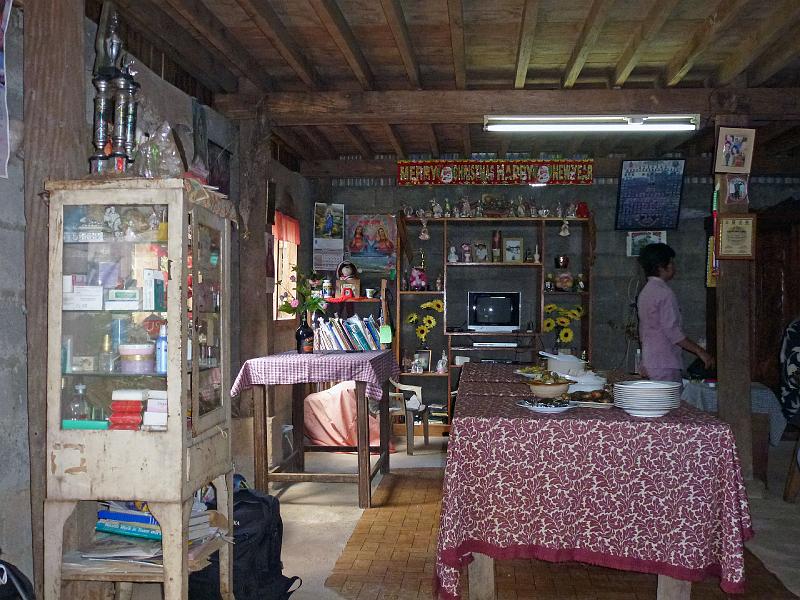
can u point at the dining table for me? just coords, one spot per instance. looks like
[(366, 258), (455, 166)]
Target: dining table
[(658, 495)]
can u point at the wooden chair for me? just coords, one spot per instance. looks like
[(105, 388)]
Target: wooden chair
[(398, 405)]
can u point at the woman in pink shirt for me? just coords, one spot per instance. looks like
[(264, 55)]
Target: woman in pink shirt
[(660, 327)]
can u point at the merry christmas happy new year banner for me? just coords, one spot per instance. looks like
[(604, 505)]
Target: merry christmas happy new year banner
[(494, 172)]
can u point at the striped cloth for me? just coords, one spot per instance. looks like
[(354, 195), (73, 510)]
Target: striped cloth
[(374, 368)]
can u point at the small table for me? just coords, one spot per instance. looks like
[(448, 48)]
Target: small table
[(370, 370)]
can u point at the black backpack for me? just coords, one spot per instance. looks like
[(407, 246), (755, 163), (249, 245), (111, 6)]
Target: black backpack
[(16, 586), (257, 568)]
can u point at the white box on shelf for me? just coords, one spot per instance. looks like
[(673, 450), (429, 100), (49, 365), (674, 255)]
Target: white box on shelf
[(157, 405), (83, 297), (154, 419)]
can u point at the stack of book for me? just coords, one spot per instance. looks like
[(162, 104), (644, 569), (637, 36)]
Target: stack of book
[(348, 335), (155, 415), (119, 518), (126, 409)]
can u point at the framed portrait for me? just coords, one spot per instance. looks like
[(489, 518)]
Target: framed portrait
[(424, 358), (637, 240), (733, 188), (481, 251), (736, 236), (512, 250), (649, 195), (734, 150)]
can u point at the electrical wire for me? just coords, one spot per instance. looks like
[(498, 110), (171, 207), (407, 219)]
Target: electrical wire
[(630, 317)]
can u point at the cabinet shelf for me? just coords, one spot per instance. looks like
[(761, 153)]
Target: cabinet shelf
[(426, 374), (412, 292), (495, 334), (562, 293), (493, 264), (112, 375), (117, 243), (495, 348)]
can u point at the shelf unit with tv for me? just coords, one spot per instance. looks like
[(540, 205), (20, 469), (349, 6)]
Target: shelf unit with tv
[(451, 333)]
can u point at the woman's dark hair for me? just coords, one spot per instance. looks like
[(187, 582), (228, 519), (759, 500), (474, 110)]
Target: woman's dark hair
[(655, 256)]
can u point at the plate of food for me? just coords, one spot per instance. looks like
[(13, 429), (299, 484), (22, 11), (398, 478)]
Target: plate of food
[(592, 399), (545, 405), (532, 372)]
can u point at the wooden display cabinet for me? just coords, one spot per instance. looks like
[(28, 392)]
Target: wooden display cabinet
[(127, 256)]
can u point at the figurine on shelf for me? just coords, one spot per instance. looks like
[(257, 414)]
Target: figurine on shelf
[(466, 210), (424, 235), (528, 255), (112, 220), (582, 210), (564, 231), (544, 212), (572, 209), (559, 210), (439, 284), (549, 283), (452, 256), (536, 255), (408, 211), (466, 252), (446, 208), (153, 220), (479, 208), (416, 366), (564, 281), (520, 207), (403, 283), (580, 284), (533, 211), (436, 209), (130, 233), (441, 366), (418, 282)]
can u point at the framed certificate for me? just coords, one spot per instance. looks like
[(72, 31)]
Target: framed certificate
[(736, 236)]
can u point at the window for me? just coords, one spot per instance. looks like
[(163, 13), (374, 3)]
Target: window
[(286, 233)]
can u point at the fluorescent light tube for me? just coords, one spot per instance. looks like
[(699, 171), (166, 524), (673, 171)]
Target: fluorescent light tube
[(581, 123)]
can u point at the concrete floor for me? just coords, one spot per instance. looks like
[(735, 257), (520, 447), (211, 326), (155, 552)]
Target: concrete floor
[(318, 519)]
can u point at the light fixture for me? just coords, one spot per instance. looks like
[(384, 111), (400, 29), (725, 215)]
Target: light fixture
[(588, 123)]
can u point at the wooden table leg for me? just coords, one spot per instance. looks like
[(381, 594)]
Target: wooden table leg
[(362, 421), (384, 418), (481, 577), (299, 393), (260, 454), (673, 589)]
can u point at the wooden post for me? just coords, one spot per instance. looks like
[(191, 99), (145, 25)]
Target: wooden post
[(55, 131), (733, 336)]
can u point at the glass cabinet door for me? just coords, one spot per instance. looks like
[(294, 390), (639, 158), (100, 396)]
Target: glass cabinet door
[(207, 242), (115, 269)]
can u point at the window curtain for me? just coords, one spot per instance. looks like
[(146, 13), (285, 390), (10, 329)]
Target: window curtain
[(286, 228)]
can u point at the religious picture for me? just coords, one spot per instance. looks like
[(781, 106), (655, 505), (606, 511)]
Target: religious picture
[(734, 150), (733, 188), (639, 239), (370, 242), (328, 236)]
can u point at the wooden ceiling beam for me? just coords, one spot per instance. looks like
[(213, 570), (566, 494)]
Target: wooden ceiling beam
[(205, 22), (769, 30), (397, 23), (455, 11), (470, 106), (149, 20), (699, 166), (466, 139), (645, 32), (320, 141), (779, 55), (527, 31), (394, 140), (433, 141), (334, 22), (784, 143), (355, 136), (270, 25), (294, 142), (589, 34), (683, 61)]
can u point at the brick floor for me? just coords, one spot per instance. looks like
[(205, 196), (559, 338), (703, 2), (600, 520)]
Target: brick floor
[(392, 552)]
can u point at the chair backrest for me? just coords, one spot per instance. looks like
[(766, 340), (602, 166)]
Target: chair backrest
[(404, 387)]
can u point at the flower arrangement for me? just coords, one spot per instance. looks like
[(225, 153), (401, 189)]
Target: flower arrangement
[(561, 318), (426, 322), (305, 299)]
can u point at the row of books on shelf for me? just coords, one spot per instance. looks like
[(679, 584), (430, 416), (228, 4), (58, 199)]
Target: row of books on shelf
[(353, 334), (122, 519)]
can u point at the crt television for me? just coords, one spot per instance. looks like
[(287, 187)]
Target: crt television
[(493, 311)]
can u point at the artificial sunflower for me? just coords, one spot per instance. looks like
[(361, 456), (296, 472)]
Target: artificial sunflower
[(436, 305), (549, 308), (566, 335), (548, 325), (412, 318), (429, 321), (422, 332), (578, 310), (562, 321), (574, 314)]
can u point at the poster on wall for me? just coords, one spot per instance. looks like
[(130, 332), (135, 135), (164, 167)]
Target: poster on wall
[(328, 236), (371, 242), (650, 194), (639, 239), (5, 15)]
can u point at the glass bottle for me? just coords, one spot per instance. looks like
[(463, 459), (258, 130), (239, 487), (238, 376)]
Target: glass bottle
[(78, 408), (305, 337), (105, 359)]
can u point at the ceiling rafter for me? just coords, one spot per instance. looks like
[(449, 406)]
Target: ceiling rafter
[(455, 11), (433, 141), (645, 32), (358, 140), (292, 141), (779, 20), (683, 61), (334, 22), (466, 140), (204, 21), (320, 141), (394, 140), (589, 34), (270, 25), (767, 133), (783, 144), (779, 55), (527, 30), (161, 29), (397, 23)]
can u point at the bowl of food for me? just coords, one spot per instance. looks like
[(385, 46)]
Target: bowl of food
[(549, 385)]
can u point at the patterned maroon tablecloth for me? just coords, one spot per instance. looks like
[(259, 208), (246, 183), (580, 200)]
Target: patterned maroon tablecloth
[(289, 367), (488, 372), (659, 495)]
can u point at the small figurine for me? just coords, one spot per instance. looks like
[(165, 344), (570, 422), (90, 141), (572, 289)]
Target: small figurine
[(544, 212), (409, 212), (479, 208), (424, 235), (112, 220), (528, 256), (520, 207), (572, 210), (436, 209), (446, 207), (452, 257), (153, 220), (564, 281), (580, 284), (549, 283), (564, 231), (403, 283), (441, 366), (130, 233), (536, 255), (533, 212), (559, 210), (466, 211), (416, 366), (418, 282), (439, 284), (466, 252)]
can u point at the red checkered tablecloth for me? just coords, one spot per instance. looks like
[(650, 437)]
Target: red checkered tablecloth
[(660, 495), (374, 368)]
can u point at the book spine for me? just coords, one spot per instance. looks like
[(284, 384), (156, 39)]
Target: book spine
[(127, 517), (127, 529)]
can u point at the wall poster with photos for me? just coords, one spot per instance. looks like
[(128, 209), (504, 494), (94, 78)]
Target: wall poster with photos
[(650, 194), (734, 150)]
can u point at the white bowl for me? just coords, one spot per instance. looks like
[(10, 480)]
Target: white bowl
[(548, 390)]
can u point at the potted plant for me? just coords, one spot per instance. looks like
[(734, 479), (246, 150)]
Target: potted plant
[(304, 303)]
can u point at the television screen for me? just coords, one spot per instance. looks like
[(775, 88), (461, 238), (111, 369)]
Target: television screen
[(493, 311)]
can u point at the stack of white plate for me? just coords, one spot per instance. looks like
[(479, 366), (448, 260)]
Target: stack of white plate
[(647, 398)]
